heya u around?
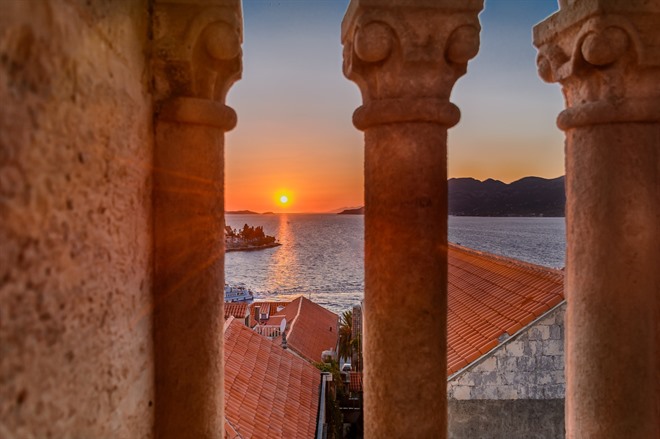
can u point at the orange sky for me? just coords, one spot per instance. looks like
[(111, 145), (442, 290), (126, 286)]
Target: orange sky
[(295, 134)]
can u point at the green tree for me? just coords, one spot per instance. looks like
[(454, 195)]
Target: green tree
[(345, 349)]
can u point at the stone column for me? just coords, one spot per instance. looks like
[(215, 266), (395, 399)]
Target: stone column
[(197, 56), (606, 56), (405, 57)]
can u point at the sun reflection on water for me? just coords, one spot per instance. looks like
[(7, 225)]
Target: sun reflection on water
[(280, 270)]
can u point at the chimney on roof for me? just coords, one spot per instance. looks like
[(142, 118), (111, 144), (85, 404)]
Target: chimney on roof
[(284, 344), (257, 308)]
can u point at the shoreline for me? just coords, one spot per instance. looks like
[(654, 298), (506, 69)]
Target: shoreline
[(252, 248)]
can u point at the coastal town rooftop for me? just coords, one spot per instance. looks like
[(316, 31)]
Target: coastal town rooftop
[(269, 392), (491, 298), (310, 328)]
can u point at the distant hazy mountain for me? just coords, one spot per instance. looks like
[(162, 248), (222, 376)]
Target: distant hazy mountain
[(341, 209), (529, 196), (356, 211)]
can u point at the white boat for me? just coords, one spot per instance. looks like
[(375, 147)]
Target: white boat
[(238, 293)]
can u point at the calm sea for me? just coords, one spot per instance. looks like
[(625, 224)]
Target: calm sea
[(322, 256)]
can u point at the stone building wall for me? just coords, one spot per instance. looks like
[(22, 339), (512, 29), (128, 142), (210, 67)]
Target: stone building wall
[(75, 196), (520, 383)]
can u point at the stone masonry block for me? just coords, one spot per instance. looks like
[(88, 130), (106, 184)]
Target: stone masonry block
[(544, 378), (515, 349), (508, 364), (553, 391), (489, 378), (535, 334), (533, 348), (558, 377), (522, 379), (507, 392), (462, 380), (534, 392), (489, 365), (508, 377), (553, 347), (484, 392), (526, 364), (461, 392), (555, 332), (546, 364)]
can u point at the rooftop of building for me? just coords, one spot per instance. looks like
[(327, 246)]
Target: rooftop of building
[(355, 381), (236, 309), (271, 308), (269, 392), (310, 328), (493, 297)]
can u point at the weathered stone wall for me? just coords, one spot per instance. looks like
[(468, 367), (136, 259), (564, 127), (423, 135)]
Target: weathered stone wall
[(529, 365), (75, 165), (517, 390)]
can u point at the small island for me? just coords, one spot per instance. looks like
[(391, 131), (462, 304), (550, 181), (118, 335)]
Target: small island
[(248, 239)]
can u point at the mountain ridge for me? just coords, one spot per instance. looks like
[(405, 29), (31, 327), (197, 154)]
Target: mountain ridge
[(528, 196)]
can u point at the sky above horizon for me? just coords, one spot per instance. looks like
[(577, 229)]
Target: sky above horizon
[(295, 136)]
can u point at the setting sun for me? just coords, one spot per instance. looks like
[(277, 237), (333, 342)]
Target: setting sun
[(284, 199)]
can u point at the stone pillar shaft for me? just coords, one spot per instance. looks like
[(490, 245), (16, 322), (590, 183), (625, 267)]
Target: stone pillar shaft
[(405, 57), (405, 345), (605, 54), (197, 56), (189, 279)]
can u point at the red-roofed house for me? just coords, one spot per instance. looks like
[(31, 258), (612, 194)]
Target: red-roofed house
[(505, 346), (505, 354), (238, 310), (492, 297), (310, 328), (261, 311), (269, 392)]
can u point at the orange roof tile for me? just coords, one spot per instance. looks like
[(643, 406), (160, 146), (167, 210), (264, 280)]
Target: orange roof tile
[(491, 295), (269, 392), (355, 384), (236, 309)]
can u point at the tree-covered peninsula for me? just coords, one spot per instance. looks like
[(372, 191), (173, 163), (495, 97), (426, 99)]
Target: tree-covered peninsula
[(248, 238)]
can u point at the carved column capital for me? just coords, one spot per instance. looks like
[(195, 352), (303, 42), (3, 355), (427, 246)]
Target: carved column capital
[(196, 59), (606, 56), (405, 57)]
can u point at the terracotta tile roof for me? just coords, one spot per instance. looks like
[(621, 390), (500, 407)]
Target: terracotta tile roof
[(236, 309), (230, 433), (269, 392), (311, 329), (355, 384), (492, 295)]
